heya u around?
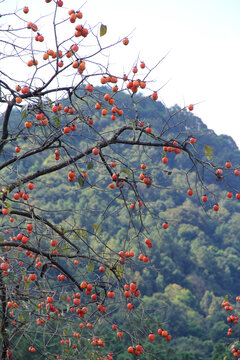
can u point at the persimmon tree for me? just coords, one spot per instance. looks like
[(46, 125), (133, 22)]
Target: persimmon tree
[(60, 280)]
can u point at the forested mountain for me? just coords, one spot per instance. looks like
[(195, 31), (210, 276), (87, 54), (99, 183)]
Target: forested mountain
[(195, 262)]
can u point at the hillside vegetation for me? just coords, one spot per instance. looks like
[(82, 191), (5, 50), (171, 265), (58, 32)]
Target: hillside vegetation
[(194, 263)]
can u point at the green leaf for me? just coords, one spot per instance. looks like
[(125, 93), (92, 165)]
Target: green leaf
[(163, 154), (82, 233), (97, 229), (20, 317), (119, 271), (61, 228), (133, 123), (107, 273), (24, 112), (103, 30), (57, 121), (67, 351), (120, 201), (50, 103), (26, 292), (90, 267), (89, 165), (8, 205), (208, 151), (81, 180), (226, 297), (126, 171)]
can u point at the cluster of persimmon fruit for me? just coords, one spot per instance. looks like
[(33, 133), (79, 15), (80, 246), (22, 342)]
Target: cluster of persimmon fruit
[(231, 318), (79, 31), (19, 195), (72, 175), (130, 290), (132, 85), (236, 352), (219, 177), (138, 349), (24, 90)]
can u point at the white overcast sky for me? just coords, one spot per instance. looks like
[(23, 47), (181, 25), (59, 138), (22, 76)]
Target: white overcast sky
[(201, 38)]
